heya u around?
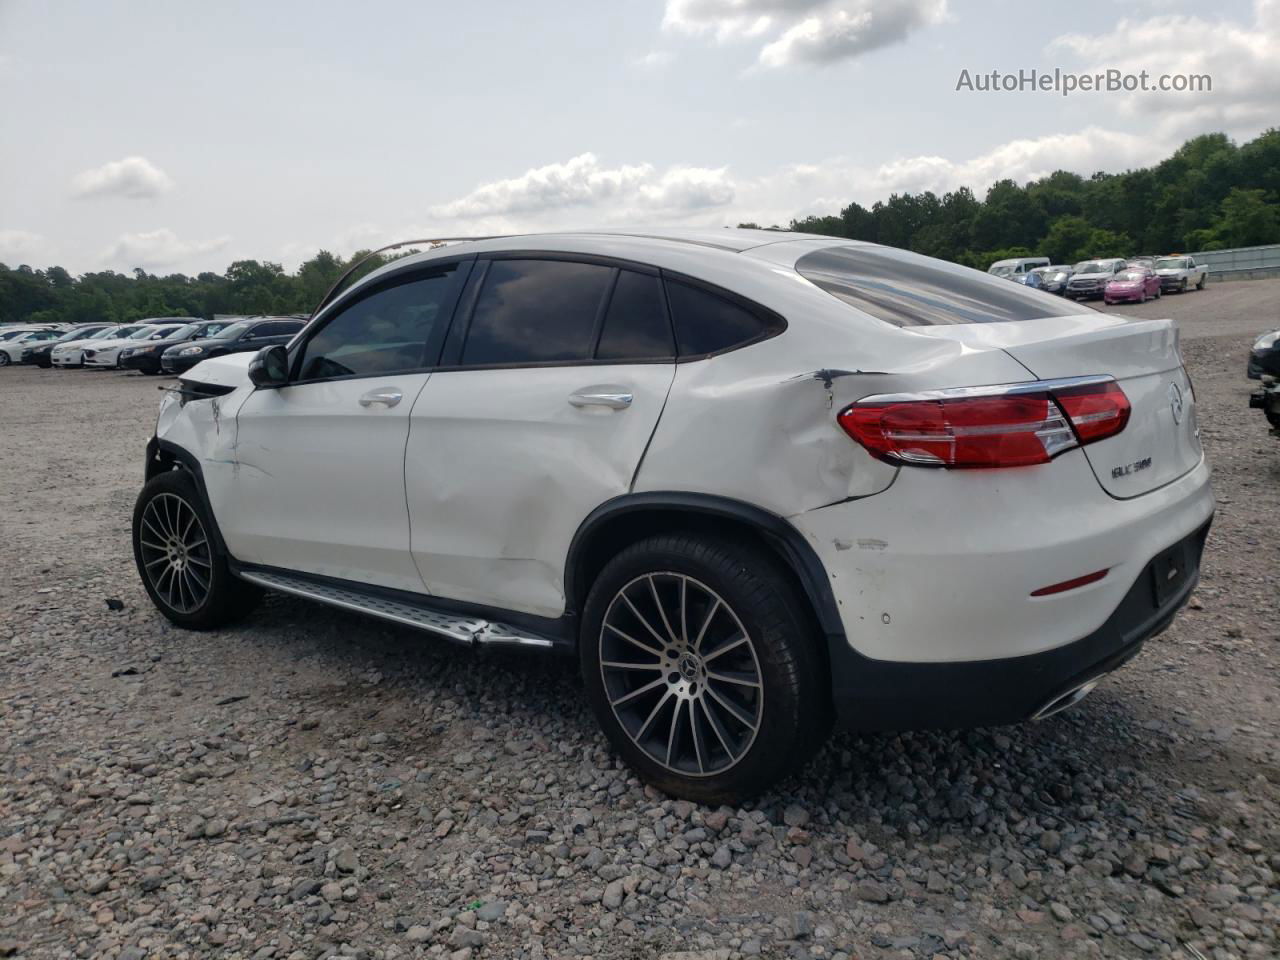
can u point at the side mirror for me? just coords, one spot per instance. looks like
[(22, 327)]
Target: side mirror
[(270, 368)]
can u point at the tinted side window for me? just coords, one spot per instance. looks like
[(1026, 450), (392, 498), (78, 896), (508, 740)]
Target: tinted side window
[(636, 325), (279, 328), (707, 323), (908, 290), (383, 332), (536, 311)]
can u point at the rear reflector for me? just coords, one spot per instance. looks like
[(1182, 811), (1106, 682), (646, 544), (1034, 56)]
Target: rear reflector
[(1065, 585), (1008, 426)]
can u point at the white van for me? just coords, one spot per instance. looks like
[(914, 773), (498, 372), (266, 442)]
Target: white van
[(1017, 266)]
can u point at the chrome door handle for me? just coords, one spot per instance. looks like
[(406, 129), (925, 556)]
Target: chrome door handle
[(614, 401), (386, 396)]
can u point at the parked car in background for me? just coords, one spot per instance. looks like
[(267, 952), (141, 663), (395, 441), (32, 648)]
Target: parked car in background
[(106, 354), (41, 354), (1009, 269), (1055, 278), (1148, 262), (1089, 278), (12, 348), (1265, 356), (1131, 285), (146, 356), (1178, 273), (1032, 278), (252, 334), (71, 353), (719, 468)]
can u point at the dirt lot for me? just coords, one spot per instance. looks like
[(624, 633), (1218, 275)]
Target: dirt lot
[(316, 784)]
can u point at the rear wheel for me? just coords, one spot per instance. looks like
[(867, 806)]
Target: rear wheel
[(1200, 282), (702, 666), (184, 573)]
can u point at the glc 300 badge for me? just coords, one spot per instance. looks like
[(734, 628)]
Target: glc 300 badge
[(1136, 467)]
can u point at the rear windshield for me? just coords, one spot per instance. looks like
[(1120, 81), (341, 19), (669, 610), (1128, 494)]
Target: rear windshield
[(910, 290)]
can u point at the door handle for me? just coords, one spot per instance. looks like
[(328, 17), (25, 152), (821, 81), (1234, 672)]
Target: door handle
[(386, 396), (614, 400)]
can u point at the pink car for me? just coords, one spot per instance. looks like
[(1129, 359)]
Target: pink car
[(1135, 284)]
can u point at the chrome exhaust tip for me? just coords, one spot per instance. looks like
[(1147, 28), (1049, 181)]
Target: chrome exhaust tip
[(1065, 700)]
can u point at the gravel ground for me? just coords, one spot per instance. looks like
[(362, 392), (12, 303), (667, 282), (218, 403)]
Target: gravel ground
[(315, 784)]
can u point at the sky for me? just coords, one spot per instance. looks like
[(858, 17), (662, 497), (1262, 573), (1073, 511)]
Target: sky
[(180, 136)]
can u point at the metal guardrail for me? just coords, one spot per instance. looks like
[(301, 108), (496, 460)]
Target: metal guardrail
[(1240, 260)]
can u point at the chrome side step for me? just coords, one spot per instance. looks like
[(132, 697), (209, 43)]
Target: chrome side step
[(471, 631)]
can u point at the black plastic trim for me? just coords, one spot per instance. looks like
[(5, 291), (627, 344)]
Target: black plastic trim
[(893, 695), (157, 451), (783, 536)]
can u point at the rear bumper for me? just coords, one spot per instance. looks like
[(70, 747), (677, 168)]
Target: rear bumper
[(144, 363), (178, 364), (884, 695)]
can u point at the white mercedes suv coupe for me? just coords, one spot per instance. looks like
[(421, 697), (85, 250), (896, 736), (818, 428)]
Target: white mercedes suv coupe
[(756, 482)]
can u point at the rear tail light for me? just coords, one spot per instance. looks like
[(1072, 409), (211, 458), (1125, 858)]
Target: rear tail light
[(1005, 426)]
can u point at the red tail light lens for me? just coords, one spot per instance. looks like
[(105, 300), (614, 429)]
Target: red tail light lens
[(1014, 426), (1097, 410)]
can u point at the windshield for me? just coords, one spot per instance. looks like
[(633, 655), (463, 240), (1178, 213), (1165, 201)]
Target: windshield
[(178, 333), (1093, 266), (141, 333), (1130, 276), (233, 331), (105, 334), (1171, 263), (1001, 271), (212, 329)]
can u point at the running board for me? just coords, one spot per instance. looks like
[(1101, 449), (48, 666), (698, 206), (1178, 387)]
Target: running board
[(471, 631)]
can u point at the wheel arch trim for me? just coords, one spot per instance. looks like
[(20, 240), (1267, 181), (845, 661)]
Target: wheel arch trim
[(161, 455), (786, 541)]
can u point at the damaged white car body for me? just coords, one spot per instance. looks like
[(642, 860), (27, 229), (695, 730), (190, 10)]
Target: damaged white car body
[(854, 483)]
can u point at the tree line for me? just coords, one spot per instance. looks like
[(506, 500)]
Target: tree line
[(1210, 194)]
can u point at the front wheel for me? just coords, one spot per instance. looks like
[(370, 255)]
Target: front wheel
[(703, 666), (181, 567), (1182, 287), (4, 359)]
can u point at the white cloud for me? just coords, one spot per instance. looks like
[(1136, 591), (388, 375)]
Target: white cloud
[(21, 246), (806, 31), (582, 182), (132, 177), (1241, 59), (157, 248), (654, 59)]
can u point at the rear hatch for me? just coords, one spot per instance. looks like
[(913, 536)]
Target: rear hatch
[(1161, 442), (1051, 337)]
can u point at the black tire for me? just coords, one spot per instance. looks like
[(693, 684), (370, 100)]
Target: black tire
[(1182, 287), (4, 359), (193, 588), (1200, 283), (790, 703)]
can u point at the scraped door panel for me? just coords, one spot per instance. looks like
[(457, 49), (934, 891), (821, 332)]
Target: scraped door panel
[(504, 465), (319, 482)]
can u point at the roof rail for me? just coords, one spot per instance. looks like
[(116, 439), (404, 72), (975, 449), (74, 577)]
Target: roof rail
[(432, 241)]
